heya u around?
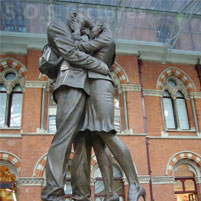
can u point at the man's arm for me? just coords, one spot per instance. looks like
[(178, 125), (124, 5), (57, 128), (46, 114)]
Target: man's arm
[(59, 38)]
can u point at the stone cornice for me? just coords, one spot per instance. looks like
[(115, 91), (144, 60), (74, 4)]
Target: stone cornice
[(159, 93), (143, 179), (163, 180), (9, 135), (151, 92), (30, 181), (178, 137), (129, 87), (37, 84), (195, 95)]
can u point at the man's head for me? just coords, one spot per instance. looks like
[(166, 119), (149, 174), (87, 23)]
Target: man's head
[(78, 21)]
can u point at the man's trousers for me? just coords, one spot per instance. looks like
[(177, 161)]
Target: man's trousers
[(70, 109)]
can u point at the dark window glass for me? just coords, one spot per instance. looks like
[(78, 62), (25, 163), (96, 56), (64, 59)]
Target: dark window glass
[(172, 83), (10, 76)]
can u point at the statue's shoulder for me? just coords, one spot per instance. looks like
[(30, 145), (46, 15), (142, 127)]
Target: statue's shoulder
[(56, 24)]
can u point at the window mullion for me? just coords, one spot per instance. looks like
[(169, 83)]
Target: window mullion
[(7, 115), (194, 116), (163, 116)]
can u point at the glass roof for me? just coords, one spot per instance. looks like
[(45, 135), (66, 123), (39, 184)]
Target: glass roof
[(175, 23)]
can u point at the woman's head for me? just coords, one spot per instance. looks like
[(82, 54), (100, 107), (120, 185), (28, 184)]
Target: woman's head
[(96, 28)]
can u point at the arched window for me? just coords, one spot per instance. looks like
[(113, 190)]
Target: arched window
[(10, 104), (117, 184), (8, 187), (174, 105), (185, 185)]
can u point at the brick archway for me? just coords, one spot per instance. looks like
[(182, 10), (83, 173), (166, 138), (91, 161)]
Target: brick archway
[(179, 156), (120, 73), (13, 63), (12, 158), (40, 165), (173, 71)]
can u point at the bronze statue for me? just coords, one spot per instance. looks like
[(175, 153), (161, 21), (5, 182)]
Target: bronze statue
[(84, 93), (70, 92)]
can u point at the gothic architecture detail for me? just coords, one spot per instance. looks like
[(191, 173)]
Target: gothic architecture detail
[(30, 181), (182, 155), (12, 159), (173, 71), (18, 71)]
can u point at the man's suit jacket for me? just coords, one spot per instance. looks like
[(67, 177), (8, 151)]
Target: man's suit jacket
[(76, 64)]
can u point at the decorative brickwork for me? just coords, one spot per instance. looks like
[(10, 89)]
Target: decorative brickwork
[(12, 159), (40, 165), (13, 63), (173, 71), (179, 156), (120, 73)]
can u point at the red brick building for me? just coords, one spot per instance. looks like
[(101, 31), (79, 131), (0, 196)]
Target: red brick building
[(157, 103)]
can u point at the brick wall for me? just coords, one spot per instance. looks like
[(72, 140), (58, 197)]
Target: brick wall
[(30, 146)]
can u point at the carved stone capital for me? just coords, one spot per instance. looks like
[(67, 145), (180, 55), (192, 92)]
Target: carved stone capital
[(198, 180), (92, 181), (125, 181)]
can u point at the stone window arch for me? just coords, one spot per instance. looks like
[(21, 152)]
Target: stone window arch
[(177, 102), (174, 104), (185, 186), (8, 179), (12, 86)]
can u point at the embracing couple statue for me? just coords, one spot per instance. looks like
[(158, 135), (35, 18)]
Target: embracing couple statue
[(84, 94)]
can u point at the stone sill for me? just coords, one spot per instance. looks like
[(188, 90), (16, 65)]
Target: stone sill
[(8, 128)]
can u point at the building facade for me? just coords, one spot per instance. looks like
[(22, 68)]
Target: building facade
[(157, 114)]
